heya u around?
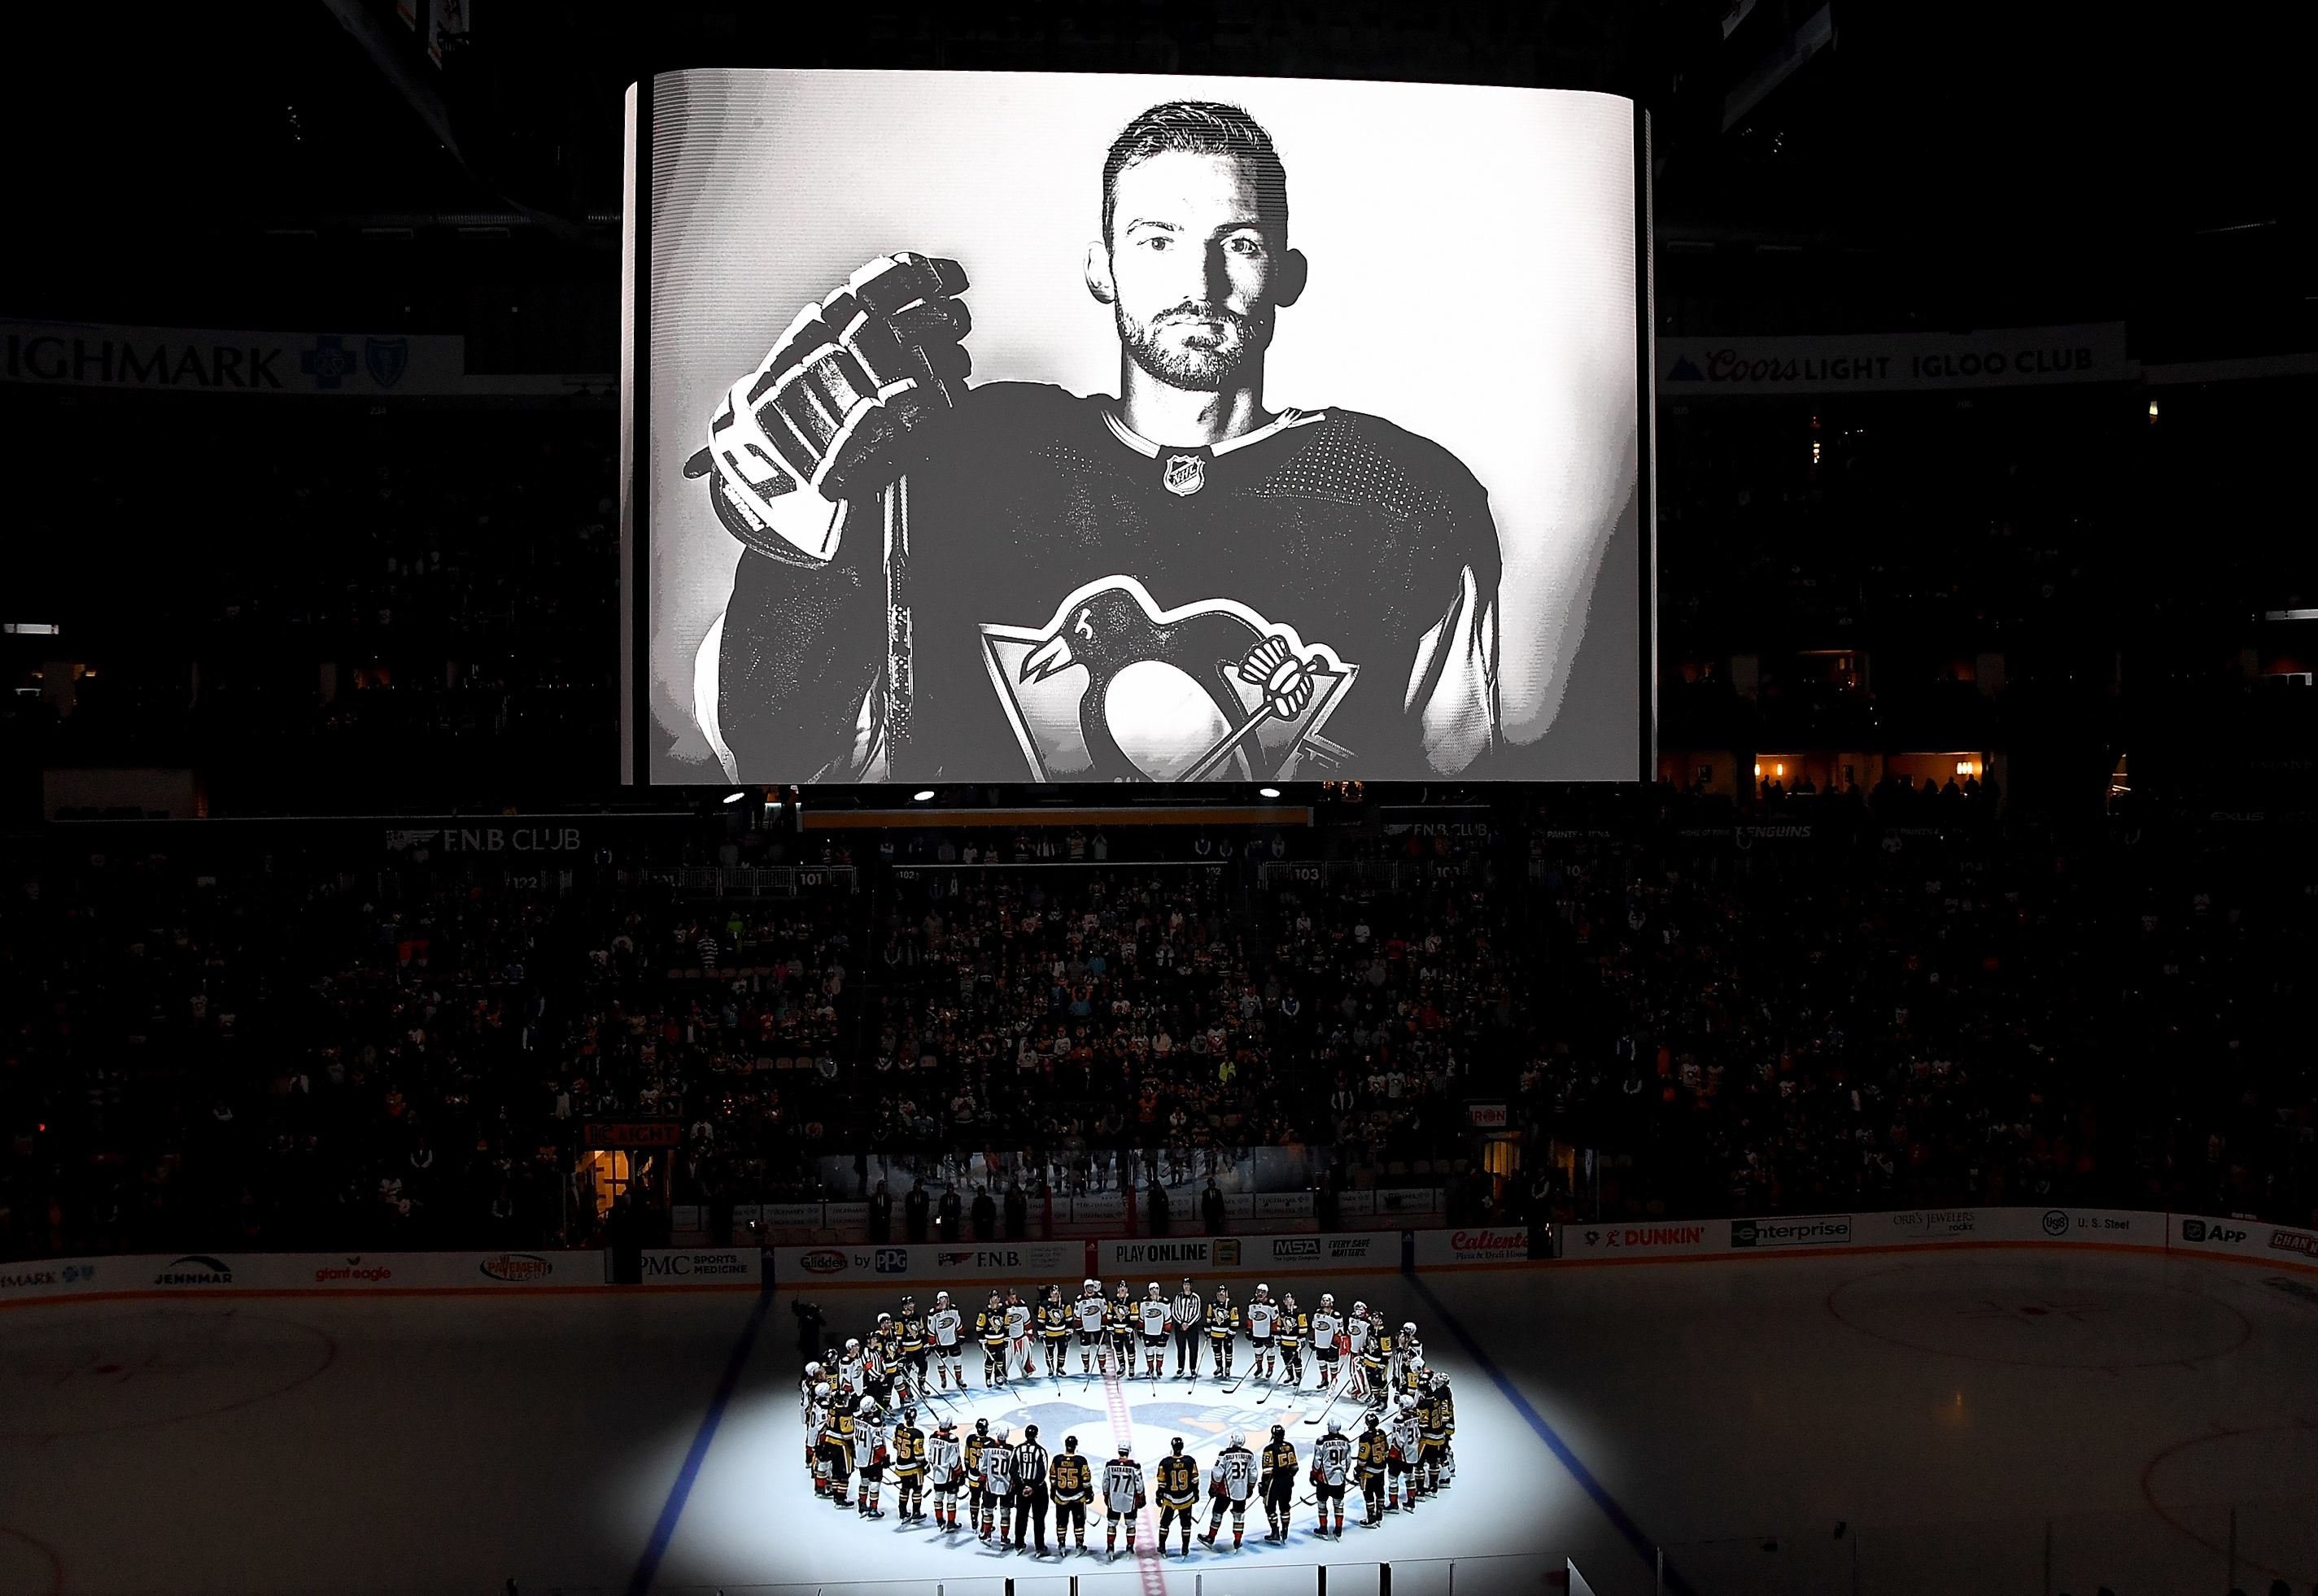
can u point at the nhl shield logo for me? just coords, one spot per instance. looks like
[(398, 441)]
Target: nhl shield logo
[(387, 359), (1114, 688), (1185, 474)]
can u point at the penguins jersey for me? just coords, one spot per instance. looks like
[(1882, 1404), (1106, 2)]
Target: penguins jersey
[(1378, 1349), (1121, 1316), (1091, 1315), (1432, 1417), (1279, 1459), (1070, 1480), (1375, 1448), (1088, 605), (990, 1324), (1332, 1457), (1222, 1319), (1261, 1317), (1179, 1481), (1122, 1485), (909, 1443), (1294, 1329), (1235, 1472), (912, 1331), (945, 1461), (1055, 1320), (976, 1445), (1152, 1315), (943, 1323)]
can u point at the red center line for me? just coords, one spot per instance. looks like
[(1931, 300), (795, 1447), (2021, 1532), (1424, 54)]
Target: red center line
[(1147, 1528)]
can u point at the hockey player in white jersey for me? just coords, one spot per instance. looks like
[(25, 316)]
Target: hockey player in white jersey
[(997, 1487), (1122, 1496), (1407, 1440), (1262, 1318), (1153, 1314), (1332, 1471), (816, 1420), (872, 1450), (1089, 1313), (1231, 1481), (945, 1471), (945, 1326), (852, 1368), (1018, 1334), (1327, 1343)]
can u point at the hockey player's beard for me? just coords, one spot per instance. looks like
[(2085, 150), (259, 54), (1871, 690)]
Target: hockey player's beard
[(1204, 361)]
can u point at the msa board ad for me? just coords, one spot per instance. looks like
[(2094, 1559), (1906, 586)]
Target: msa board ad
[(1073, 428)]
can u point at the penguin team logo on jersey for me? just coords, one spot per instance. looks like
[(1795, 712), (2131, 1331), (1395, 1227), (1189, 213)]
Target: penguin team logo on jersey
[(1114, 688)]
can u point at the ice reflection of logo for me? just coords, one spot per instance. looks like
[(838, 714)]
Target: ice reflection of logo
[(1114, 688)]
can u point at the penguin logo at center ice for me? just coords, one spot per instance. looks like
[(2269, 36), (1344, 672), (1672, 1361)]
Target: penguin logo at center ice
[(1114, 688)]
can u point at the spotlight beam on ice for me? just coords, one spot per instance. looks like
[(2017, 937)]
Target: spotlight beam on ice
[(664, 1530), (1620, 1519)]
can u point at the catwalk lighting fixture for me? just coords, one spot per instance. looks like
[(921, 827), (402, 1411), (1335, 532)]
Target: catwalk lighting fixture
[(923, 795), (1268, 792), (734, 797)]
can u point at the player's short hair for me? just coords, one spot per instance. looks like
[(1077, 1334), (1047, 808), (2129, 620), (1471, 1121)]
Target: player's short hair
[(1201, 126)]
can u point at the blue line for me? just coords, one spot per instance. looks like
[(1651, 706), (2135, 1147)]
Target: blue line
[(664, 1531), (1644, 1548)]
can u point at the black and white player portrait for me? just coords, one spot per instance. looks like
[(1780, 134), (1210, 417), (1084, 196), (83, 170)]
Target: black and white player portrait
[(1095, 429)]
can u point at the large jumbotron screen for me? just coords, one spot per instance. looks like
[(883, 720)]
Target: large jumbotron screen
[(995, 428)]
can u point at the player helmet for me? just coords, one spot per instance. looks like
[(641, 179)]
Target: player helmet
[(944, 1427), (908, 1303), (1409, 1405), (1239, 1437), (1126, 1448), (813, 1371), (1371, 1418), (821, 1391), (1261, 1289), (885, 1319), (853, 1344), (1278, 1431), (1335, 1426), (866, 1407), (939, 1297), (1154, 1286), (1223, 1294), (981, 1426), (1070, 1443), (1359, 1307), (1091, 1285), (1408, 1327)]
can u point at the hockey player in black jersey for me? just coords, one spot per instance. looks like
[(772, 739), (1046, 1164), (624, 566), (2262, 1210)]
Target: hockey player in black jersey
[(1009, 581)]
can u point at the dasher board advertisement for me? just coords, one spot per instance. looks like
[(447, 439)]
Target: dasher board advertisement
[(1079, 428)]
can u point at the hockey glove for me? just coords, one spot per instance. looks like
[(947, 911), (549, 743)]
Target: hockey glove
[(840, 403)]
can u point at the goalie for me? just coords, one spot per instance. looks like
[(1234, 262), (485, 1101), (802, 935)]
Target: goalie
[(1181, 583)]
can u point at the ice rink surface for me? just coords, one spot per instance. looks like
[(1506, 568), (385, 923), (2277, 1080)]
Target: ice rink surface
[(2014, 1421)]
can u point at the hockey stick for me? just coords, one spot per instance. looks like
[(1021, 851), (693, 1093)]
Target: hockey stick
[(1323, 1413), (901, 670)]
